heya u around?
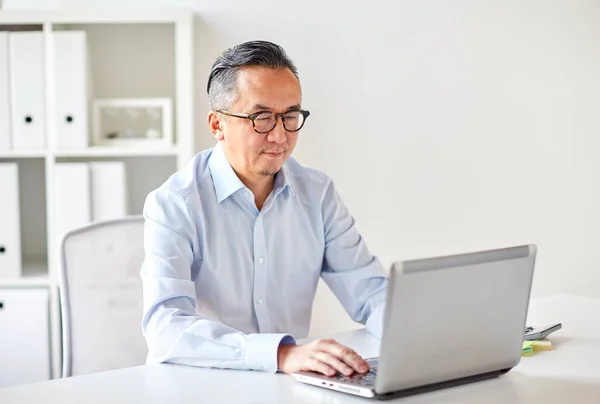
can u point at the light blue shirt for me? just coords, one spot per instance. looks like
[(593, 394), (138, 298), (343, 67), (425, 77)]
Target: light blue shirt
[(225, 284)]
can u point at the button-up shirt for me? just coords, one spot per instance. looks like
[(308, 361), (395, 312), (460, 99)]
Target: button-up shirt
[(225, 283)]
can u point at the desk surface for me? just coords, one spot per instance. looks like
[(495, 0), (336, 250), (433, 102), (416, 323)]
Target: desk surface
[(571, 372)]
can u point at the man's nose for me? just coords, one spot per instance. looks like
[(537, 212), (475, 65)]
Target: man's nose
[(278, 134)]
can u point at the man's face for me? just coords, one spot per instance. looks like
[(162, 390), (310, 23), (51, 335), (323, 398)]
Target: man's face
[(261, 89)]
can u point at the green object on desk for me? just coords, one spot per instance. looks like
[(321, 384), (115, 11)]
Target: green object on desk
[(528, 346)]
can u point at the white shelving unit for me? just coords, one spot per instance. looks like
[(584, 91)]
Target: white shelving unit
[(23, 154), (134, 53), (116, 152)]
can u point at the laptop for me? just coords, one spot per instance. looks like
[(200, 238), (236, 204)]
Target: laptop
[(449, 321)]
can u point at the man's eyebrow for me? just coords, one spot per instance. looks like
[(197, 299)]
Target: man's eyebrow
[(260, 107)]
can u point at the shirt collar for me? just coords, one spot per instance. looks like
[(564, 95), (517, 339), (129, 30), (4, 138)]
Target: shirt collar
[(224, 178), (282, 181), (227, 182)]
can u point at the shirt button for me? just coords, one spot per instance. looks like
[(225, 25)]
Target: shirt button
[(259, 300), (248, 194), (261, 260)]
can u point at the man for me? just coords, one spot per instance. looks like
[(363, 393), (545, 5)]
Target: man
[(237, 240)]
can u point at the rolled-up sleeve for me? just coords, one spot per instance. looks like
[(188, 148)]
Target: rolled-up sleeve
[(355, 276), (173, 330)]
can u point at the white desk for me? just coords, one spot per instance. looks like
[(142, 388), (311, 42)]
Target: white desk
[(570, 373)]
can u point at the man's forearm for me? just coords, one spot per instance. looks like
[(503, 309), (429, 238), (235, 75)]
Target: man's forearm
[(375, 322), (174, 336)]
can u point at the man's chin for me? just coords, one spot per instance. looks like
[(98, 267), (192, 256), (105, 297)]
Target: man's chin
[(269, 171), (267, 167)]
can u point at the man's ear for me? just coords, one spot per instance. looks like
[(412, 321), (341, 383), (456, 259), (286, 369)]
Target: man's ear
[(215, 125)]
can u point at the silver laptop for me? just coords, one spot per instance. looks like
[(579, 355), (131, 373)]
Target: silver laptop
[(449, 321)]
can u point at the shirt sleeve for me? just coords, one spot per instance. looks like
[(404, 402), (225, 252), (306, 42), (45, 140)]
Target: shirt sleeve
[(355, 276), (173, 330)]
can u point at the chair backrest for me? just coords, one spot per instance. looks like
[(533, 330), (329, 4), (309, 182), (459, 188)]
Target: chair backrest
[(101, 296)]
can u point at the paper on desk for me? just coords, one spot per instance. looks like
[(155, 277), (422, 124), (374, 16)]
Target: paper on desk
[(542, 345)]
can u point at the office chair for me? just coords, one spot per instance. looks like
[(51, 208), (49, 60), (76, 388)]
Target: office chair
[(101, 296)]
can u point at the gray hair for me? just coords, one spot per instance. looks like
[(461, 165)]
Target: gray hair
[(222, 82)]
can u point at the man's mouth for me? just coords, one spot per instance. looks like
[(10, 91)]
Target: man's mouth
[(274, 154)]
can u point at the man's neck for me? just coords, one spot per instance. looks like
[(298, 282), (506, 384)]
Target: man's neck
[(260, 185)]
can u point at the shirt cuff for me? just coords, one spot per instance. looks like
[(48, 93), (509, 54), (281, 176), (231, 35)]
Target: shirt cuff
[(261, 351), (375, 321)]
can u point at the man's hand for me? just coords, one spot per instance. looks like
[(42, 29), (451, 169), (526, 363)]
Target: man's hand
[(325, 356)]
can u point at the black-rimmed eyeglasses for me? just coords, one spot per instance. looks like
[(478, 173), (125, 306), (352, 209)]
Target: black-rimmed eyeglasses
[(265, 121)]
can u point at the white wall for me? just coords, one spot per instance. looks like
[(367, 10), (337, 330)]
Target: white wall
[(447, 126)]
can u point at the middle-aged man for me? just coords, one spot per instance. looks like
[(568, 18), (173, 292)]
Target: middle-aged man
[(236, 241)]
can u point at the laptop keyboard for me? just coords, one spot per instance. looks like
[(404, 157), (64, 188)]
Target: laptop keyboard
[(361, 379)]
